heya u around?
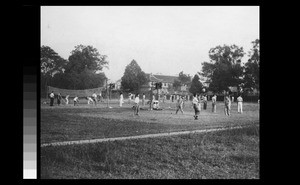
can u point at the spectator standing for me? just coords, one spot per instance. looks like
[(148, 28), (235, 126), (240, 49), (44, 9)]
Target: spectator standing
[(137, 105), (59, 99), (121, 99), (227, 105), (144, 99), (204, 102), (214, 103), (51, 98), (240, 104)]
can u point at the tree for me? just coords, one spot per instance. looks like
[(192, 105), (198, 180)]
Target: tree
[(51, 64), (251, 75), (224, 69), (133, 78), (86, 57), (83, 67), (176, 84), (183, 79), (196, 85)]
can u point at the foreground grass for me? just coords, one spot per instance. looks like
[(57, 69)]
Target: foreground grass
[(67, 123), (219, 155)]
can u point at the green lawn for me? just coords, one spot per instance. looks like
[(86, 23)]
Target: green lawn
[(230, 154), (65, 123), (222, 154)]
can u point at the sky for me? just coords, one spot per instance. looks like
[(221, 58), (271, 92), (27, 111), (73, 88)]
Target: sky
[(161, 39)]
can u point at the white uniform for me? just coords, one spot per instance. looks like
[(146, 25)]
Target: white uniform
[(90, 100), (240, 104), (121, 100), (67, 99)]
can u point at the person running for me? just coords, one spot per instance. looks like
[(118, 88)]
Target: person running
[(214, 103), (76, 101), (240, 104), (121, 99), (59, 99), (90, 100), (95, 98), (67, 99), (51, 98), (180, 105), (136, 105), (196, 106), (227, 105), (144, 99)]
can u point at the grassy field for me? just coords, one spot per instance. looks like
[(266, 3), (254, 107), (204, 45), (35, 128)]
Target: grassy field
[(230, 154), (223, 154)]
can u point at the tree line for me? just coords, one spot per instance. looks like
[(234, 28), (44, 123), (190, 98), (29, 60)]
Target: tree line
[(83, 70), (224, 70)]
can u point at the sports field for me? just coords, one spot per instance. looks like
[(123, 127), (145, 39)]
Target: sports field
[(232, 153)]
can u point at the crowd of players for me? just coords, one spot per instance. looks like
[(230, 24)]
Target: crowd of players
[(180, 102)]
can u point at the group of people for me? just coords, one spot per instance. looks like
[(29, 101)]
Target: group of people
[(227, 102), (90, 99), (196, 102)]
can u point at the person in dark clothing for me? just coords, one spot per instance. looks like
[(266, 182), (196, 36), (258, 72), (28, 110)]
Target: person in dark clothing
[(51, 98), (59, 98)]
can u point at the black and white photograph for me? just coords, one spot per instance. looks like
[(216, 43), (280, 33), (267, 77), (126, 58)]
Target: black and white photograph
[(149, 92)]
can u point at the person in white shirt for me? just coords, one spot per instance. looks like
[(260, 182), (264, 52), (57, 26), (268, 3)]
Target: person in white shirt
[(100, 97), (136, 104), (144, 99), (90, 100), (240, 104), (196, 106), (121, 99), (67, 99), (51, 98), (76, 101), (214, 103), (95, 98)]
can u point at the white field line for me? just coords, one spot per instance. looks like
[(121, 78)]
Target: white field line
[(137, 137)]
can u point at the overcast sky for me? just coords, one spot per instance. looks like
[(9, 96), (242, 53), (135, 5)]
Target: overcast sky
[(162, 39)]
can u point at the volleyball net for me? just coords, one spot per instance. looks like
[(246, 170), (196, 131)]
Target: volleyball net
[(73, 93)]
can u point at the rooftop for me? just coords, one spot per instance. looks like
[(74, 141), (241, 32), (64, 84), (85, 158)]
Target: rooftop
[(161, 78)]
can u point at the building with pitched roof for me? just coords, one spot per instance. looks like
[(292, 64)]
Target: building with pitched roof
[(167, 84)]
